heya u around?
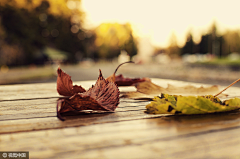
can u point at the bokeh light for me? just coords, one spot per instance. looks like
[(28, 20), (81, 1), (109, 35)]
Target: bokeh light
[(74, 29), (54, 32)]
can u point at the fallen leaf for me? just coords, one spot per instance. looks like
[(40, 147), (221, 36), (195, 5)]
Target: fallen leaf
[(112, 77), (147, 89), (136, 95), (65, 86), (177, 104), (123, 81), (104, 95)]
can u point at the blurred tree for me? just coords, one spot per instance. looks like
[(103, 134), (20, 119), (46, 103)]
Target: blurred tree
[(203, 45), (210, 43), (112, 38), (56, 8), (173, 50), (21, 29), (216, 41), (189, 45), (32, 25), (231, 42)]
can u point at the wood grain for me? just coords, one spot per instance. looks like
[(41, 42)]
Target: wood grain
[(28, 122), (143, 138)]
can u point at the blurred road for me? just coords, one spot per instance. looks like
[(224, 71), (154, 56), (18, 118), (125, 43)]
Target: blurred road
[(215, 75)]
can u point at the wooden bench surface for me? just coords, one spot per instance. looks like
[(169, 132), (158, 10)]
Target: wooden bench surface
[(28, 122)]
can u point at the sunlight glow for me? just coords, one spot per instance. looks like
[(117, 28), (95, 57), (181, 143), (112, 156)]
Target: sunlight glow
[(158, 19)]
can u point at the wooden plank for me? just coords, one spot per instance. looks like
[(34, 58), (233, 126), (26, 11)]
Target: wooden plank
[(34, 108), (219, 144), (38, 119), (48, 90), (166, 137), (34, 124), (28, 91), (28, 122), (39, 100), (41, 115), (41, 111)]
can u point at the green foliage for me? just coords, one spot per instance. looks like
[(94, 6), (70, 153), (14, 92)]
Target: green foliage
[(172, 104)]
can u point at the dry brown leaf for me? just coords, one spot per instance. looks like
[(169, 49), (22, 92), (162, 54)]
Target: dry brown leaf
[(136, 95), (65, 86), (123, 81), (148, 89), (104, 95), (113, 76), (189, 89)]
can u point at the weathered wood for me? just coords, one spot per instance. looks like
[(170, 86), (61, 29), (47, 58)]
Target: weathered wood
[(48, 90), (28, 122), (160, 137), (37, 119)]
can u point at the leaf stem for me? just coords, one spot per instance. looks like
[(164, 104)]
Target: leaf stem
[(121, 65), (228, 87)]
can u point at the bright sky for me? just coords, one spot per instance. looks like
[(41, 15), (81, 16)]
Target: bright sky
[(158, 19)]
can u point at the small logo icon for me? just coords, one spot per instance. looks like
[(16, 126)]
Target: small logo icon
[(4, 155)]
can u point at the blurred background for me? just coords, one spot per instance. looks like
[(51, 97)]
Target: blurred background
[(197, 41)]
